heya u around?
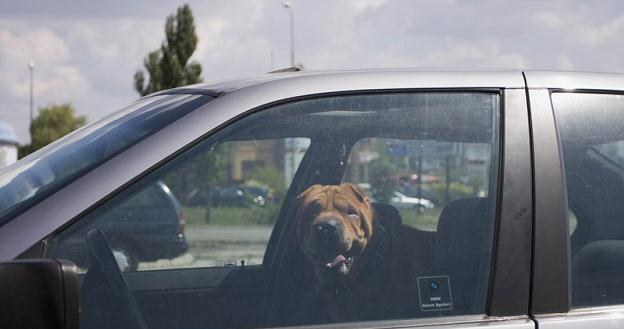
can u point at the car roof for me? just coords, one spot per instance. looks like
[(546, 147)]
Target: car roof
[(434, 78), (437, 78)]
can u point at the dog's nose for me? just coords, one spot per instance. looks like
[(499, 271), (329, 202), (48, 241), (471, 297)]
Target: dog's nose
[(328, 226)]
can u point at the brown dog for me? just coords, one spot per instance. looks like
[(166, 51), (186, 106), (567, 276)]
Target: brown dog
[(365, 266)]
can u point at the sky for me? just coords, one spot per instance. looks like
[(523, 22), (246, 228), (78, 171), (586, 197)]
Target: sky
[(86, 52)]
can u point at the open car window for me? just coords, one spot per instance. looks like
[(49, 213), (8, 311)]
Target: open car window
[(322, 210)]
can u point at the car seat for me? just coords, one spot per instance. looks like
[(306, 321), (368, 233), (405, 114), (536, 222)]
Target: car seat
[(598, 274), (463, 252)]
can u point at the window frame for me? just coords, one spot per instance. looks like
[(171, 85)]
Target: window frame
[(561, 208), (503, 280)]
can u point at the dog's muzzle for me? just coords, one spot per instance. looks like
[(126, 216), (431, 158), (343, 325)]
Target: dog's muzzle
[(332, 247)]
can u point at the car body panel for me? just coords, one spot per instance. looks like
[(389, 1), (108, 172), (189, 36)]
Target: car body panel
[(604, 318), (574, 80)]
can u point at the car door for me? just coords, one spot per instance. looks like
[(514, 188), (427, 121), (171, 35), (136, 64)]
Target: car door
[(472, 143), (578, 269)]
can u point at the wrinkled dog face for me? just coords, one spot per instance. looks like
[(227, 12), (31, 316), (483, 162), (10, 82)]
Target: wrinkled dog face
[(334, 224)]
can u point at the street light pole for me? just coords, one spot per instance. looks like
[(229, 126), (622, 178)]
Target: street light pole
[(31, 67), (288, 6)]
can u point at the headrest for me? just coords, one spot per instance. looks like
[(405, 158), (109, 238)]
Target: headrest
[(463, 248), (387, 212)]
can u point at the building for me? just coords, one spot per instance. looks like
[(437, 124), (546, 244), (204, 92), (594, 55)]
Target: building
[(8, 145)]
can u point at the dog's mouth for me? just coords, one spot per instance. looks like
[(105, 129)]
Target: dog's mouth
[(340, 264)]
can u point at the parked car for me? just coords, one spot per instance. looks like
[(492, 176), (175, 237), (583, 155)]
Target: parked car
[(402, 201), (146, 227), (549, 144), (240, 196)]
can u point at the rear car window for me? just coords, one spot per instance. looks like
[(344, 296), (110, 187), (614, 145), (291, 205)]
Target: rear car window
[(46, 171), (591, 131)]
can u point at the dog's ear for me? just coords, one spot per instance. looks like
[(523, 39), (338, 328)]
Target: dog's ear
[(361, 195), (308, 191)]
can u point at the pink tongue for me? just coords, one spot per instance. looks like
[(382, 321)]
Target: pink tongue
[(339, 259)]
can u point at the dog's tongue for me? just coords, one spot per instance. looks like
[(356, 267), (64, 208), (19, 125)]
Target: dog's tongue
[(339, 259)]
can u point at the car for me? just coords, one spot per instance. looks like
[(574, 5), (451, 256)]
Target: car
[(529, 174), (400, 201), (240, 195), (146, 227)]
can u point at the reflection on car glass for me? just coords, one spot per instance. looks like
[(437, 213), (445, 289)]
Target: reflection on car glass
[(54, 166)]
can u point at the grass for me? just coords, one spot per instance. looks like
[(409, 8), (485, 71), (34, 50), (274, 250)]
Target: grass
[(427, 219)]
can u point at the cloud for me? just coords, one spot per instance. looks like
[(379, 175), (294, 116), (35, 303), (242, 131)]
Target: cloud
[(86, 53), (565, 63), (364, 5), (55, 76)]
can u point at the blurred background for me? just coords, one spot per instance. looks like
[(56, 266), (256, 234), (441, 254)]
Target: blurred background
[(67, 63)]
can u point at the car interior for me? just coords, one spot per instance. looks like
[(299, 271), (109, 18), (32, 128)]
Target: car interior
[(595, 184)]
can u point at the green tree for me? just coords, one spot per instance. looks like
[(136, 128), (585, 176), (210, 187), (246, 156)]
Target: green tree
[(381, 171), (169, 66), (52, 123)]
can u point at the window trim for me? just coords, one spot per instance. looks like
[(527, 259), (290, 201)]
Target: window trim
[(550, 289), (510, 279)]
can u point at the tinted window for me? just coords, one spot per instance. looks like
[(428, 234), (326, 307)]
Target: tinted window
[(49, 169), (591, 131), (324, 210)]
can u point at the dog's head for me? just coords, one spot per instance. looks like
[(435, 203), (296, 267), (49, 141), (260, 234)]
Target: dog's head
[(334, 225)]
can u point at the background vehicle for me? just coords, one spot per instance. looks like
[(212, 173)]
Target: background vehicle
[(511, 153), (147, 227), (401, 200), (240, 195)]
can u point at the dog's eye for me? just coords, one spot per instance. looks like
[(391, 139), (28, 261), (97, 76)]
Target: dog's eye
[(352, 213), (312, 210)]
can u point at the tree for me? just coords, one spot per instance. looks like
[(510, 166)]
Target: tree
[(52, 123), (168, 67)]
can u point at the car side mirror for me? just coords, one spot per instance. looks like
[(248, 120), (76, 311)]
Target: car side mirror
[(39, 293)]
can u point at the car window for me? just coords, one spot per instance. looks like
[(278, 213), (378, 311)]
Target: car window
[(591, 131), (321, 210), (214, 209), (46, 171)]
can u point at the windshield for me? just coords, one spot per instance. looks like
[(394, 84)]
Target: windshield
[(44, 172)]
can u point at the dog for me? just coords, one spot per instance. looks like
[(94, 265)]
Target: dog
[(365, 266)]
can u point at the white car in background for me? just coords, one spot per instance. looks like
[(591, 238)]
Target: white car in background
[(402, 201)]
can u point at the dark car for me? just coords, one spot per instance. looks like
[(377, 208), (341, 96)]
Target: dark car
[(240, 196), (146, 227), (526, 231)]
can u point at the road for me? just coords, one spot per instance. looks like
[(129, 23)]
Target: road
[(213, 245)]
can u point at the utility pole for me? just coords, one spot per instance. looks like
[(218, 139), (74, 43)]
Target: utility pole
[(31, 68), (288, 6)]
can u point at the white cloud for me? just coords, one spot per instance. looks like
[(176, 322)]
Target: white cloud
[(364, 5), (88, 58), (56, 78), (548, 20), (565, 63)]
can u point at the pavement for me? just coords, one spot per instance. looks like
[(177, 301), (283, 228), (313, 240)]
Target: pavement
[(218, 246)]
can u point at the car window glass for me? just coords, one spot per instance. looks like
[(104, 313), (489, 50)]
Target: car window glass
[(591, 130), (282, 218), (46, 171), (420, 177), (214, 209)]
